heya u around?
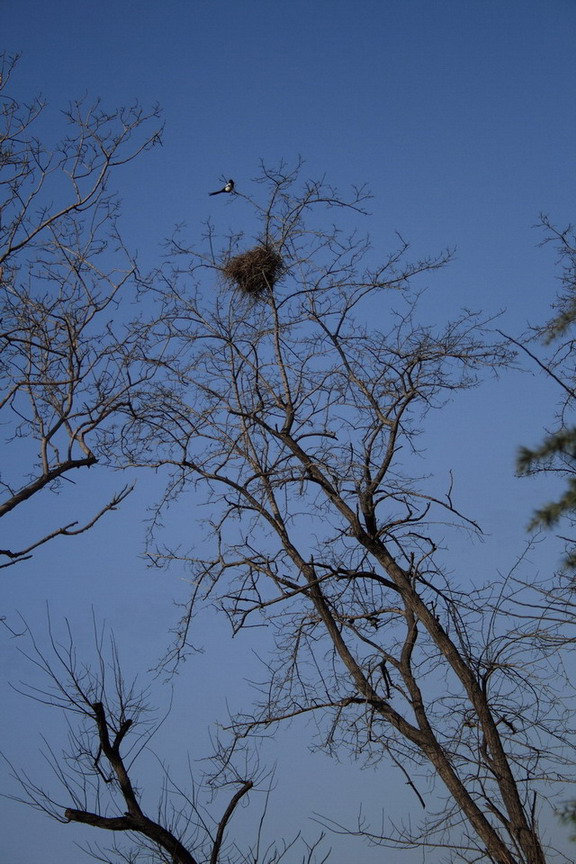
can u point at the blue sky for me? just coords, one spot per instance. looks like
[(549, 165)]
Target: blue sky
[(460, 116)]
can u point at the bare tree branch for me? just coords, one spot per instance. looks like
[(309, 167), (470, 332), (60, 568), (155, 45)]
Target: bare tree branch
[(112, 728), (68, 370), (299, 414)]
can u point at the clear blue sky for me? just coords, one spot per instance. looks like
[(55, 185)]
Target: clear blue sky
[(461, 117)]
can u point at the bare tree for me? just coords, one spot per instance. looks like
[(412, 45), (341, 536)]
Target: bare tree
[(67, 368), (110, 728), (296, 387)]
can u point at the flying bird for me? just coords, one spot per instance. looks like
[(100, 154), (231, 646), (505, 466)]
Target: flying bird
[(229, 187)]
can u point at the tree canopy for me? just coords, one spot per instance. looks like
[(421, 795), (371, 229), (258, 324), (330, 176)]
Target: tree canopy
[(284, 376)]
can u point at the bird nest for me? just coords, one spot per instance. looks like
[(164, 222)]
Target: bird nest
[(254, 272)]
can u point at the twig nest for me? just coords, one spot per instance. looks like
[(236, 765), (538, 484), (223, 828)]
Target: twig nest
[(254, 272)]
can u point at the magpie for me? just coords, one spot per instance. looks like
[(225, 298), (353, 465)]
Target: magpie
[(229, 187)]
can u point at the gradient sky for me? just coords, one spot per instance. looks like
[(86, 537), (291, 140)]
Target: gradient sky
[(460, 116)]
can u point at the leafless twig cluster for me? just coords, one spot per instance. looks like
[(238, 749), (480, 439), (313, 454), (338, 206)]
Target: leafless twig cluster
[(67, 366)]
